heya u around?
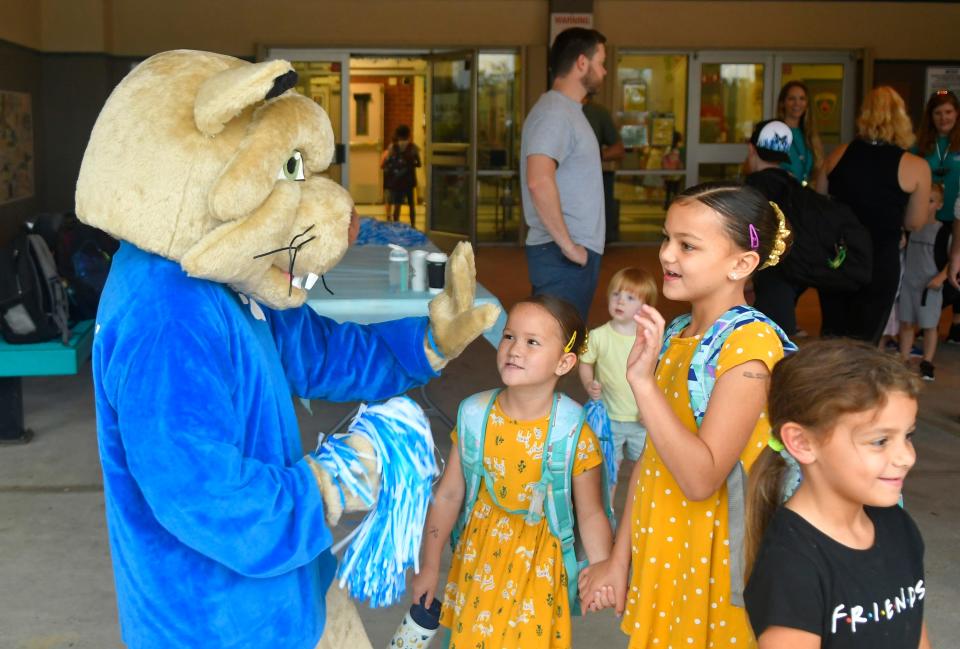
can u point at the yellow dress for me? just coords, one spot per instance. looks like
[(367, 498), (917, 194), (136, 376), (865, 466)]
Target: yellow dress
[(679, 589), (507, 586)]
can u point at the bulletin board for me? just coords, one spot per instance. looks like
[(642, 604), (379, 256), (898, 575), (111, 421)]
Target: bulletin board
[(16, 147)]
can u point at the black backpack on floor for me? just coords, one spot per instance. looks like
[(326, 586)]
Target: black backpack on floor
[(33, 301), (831, 249)]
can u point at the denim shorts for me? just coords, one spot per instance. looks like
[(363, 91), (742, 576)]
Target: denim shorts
[(553, 274)]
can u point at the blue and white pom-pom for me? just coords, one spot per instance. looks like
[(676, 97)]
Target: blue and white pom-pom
[(387, 541), (599, 422)]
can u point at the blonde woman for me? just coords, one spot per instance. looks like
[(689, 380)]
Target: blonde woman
[(888, 189), (806, 150)]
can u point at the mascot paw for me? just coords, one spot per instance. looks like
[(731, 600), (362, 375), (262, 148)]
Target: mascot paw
[(337, 497), (454, 320)]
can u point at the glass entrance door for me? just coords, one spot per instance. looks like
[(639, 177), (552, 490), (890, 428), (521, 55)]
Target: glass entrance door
[(451, 146), (829, 76), (650, 107), (498, 147), (729, 93)]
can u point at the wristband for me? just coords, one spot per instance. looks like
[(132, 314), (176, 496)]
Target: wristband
[(433, 344)]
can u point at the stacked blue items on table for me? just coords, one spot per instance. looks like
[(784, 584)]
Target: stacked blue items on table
[(374, 232)]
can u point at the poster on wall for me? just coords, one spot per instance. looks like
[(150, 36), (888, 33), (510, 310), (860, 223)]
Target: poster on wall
[(825, 97), (942, 78), (663, 131), (16, 146)]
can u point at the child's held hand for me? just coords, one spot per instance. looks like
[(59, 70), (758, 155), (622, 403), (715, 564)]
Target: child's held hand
[(424, 584), (642, 360), (594, 390), (602, 585)]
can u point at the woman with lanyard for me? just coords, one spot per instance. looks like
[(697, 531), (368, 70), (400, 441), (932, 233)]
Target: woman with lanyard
[(938, 141), (806, 151)]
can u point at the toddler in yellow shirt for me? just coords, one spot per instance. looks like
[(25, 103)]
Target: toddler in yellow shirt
[(603, 367)]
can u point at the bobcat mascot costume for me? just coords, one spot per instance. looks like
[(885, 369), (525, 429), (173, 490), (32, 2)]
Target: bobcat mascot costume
[(207, 169)]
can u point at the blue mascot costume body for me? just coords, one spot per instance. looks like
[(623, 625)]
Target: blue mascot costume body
[(207, 168)]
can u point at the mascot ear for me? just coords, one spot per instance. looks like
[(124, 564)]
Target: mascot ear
[(224, 95)]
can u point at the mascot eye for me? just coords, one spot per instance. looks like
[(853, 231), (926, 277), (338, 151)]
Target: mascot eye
[(293, 168)]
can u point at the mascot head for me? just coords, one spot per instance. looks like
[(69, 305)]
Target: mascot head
[(213, 162)]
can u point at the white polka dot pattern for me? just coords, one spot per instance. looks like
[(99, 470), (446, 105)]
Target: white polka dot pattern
[(691, 583)]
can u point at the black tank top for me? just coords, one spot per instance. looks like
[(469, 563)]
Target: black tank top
[(866, 179)]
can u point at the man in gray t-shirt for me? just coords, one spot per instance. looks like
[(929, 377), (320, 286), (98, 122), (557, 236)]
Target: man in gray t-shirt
[(560, 175)]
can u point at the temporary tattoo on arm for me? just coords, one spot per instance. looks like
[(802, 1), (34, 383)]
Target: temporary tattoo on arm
[(755, 375), (434, 532)]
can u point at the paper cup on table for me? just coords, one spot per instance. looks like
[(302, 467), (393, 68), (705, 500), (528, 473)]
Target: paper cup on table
[(418, 266), (436, 271)]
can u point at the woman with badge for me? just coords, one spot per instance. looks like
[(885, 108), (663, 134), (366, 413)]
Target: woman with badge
[(806, 150), (938, 141)]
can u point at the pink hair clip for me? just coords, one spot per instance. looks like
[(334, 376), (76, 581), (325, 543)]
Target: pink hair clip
[(754, 238)]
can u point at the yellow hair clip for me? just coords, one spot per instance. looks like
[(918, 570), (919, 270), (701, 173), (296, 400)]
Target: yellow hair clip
[(569, 345), (780, 241)]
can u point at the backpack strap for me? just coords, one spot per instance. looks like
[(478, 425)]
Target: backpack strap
[(472, 417), (701, 377), (674, 329), (702, 374), (566, 422)]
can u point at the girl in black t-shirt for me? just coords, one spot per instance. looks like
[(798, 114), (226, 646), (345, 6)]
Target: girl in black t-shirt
[(840, 564)]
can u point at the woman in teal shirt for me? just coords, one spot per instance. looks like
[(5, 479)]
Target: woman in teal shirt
[(938, 141), (806, 152)]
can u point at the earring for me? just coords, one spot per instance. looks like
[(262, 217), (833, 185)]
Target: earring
[(733, 276)]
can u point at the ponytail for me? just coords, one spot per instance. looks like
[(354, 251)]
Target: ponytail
[(764, 495)]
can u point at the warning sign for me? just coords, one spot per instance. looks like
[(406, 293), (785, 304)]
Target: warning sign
[(562, 21)]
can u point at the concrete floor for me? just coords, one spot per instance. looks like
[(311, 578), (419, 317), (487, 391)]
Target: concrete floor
[(56, 582)]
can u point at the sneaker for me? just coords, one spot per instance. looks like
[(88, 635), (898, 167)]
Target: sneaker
[(926, 370), (891, 347), (916, 352), (953, 338)]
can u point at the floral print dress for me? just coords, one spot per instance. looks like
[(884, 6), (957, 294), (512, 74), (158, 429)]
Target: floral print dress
[(507, 586)]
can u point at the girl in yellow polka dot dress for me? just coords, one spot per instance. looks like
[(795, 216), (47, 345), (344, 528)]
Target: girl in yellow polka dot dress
[(508, 585), (676, 570)]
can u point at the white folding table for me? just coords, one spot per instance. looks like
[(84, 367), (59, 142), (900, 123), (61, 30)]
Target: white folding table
[(361, 293)]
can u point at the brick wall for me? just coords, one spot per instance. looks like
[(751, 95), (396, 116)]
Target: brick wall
[(397, 102)]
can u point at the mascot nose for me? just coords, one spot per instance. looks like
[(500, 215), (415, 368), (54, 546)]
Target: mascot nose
[(354, 226)]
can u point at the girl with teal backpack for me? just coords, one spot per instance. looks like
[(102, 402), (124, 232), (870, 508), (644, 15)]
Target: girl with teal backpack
[(676, 570), (524, 479)]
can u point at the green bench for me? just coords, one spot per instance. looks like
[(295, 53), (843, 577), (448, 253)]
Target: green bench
[(36, 359)]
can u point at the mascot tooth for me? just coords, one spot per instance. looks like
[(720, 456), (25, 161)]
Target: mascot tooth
[(207, 168)]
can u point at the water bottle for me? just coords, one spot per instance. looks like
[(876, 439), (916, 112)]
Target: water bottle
[(418, 266), (399, 265), (418, 626)]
